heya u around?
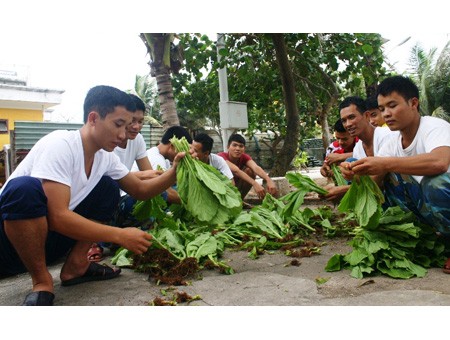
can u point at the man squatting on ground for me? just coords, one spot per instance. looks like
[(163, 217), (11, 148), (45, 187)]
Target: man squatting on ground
[(54, 202), (413, 167), (245, 178)]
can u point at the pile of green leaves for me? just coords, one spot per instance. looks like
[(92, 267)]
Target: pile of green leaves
[(207, 194), (392, 242), (181, 243)]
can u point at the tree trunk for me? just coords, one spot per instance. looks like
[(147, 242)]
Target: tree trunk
[(326, 137), (158, 46), (169, 116), (290, 146)]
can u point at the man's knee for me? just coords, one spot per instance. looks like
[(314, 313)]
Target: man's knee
[(23, 198), (249, 172)]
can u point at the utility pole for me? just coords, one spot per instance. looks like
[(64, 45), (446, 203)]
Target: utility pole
[(233, 115), (223, 90)]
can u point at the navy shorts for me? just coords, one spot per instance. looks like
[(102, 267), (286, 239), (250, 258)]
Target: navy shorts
[(24, 198)]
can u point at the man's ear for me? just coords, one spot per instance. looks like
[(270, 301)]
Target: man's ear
[(415, 102), (93, 117)]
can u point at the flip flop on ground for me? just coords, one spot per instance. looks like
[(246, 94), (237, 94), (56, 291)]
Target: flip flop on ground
[(40, 298), (447, 266), (95, 254), (95, 272)]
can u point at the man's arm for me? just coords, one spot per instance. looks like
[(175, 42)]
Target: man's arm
[(145, 189), (337, 157), (271, 187), (144, 164), (75, 226), (428, 164), (259, 189)]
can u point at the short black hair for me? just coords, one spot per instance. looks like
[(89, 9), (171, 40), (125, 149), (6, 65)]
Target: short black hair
[(176, 131), (205, 140), (404, 86), (104, 99), (235, 137), (371, 103), (357, 101), (138, 102), (339, 127)]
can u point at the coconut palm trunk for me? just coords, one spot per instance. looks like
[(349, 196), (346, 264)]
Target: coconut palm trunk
[(158, 46)]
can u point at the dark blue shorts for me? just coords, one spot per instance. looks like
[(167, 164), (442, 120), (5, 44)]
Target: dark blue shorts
[(24, 198)]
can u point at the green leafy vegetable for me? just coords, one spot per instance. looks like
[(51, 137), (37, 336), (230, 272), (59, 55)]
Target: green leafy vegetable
[(207, 194)]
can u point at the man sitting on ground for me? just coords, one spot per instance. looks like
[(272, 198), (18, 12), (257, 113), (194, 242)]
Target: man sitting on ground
[(236, 156)]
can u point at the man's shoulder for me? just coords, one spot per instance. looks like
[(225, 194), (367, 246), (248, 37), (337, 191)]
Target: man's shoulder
[(246, 157), (223, 154)]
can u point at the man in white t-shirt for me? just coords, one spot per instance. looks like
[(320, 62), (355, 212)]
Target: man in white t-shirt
[(415, 166), (355, 119), (54, 202), (202, 145)]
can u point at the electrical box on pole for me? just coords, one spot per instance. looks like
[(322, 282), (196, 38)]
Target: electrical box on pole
[(233, 115)]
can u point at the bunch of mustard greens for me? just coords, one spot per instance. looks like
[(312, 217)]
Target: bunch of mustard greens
[(207, 194), (391, 242)]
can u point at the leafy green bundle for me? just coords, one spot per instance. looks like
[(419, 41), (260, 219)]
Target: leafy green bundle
[(207, 194), (392, 242)]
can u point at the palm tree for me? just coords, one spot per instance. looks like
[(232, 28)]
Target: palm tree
[(163, 59), (145, 89), (433, 79)]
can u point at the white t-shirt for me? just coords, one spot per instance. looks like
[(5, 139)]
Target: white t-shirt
[(135, 149), (155, 159), (380, 136), (220, 164), (432, 133), (59, 157)]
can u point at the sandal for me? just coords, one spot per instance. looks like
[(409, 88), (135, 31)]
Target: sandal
[(40, 298), (95, 272), (95, 254), (446, 269)]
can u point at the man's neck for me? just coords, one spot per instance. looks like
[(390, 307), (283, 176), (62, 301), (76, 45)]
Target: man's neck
[(123, 144), (410, 132)]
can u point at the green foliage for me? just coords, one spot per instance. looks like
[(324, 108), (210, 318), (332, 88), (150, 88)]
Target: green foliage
[(207, 194), (393, 242), (432, 76), (320, 62)]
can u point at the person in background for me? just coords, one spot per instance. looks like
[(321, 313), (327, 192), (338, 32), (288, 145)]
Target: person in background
[(162, 155), (375, 116), (55, 203), (236, 156), (202, 145), (414, 167), (339, 150)]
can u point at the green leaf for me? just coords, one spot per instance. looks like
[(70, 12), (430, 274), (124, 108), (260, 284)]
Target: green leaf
[(367, 49), (335, 263)]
